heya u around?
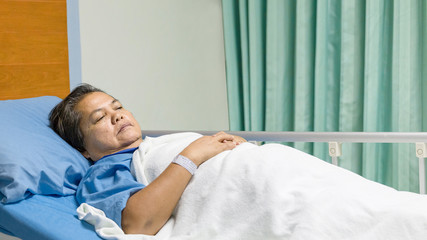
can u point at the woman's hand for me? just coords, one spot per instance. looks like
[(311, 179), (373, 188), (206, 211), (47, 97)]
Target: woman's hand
[(239, 139), (207, 147)]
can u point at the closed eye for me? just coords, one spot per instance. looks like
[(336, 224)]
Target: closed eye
[(99, 119)]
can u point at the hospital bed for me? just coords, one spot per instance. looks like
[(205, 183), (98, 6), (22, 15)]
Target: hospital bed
[(39, 172)]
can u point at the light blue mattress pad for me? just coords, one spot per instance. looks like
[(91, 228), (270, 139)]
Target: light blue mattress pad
[(45, 217)]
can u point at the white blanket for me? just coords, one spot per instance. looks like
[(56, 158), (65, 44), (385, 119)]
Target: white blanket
[(271, 192)]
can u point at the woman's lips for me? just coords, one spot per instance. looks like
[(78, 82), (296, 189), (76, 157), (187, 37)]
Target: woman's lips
[(123, 127)]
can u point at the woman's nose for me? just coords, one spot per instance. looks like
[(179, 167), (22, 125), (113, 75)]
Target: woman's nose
[(117, 117)]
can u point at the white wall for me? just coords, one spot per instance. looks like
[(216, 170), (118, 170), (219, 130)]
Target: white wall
[(163, 59)]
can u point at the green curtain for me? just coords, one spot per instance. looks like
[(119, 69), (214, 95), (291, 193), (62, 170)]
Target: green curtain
[(332, 65)]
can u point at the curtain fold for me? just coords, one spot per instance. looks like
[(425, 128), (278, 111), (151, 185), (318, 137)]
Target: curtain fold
[(305, 39), (331, 65)]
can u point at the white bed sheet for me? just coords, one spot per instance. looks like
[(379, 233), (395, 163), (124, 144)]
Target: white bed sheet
[(272, 192)]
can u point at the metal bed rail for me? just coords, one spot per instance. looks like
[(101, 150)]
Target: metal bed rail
[(355, 137), (334, 139)]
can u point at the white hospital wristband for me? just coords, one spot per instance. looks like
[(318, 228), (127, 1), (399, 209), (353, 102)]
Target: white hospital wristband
[(185, 163)]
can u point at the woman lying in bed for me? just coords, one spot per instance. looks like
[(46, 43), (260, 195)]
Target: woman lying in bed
[(244, 191), (97, 125)]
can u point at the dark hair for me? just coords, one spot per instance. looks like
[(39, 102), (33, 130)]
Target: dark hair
[(65, 119)]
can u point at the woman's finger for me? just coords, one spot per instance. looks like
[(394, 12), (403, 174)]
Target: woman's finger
[(218, 134), (222, 136)]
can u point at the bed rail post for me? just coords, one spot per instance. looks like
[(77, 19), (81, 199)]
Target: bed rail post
[(334, 152), (421, 152)]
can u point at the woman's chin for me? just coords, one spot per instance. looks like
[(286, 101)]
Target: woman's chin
[(132, 142)]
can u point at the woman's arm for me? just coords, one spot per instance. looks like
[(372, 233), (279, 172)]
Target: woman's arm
[(148, 210)]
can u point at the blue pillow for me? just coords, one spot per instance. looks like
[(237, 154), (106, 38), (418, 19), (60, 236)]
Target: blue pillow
[(33, 158)]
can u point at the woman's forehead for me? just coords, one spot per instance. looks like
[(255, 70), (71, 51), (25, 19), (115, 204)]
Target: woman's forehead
[(95, 101)]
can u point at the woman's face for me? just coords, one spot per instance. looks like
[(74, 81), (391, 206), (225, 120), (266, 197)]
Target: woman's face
[(106, 126)]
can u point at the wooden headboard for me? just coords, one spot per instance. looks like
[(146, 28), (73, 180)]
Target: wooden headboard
[(33, 49)]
